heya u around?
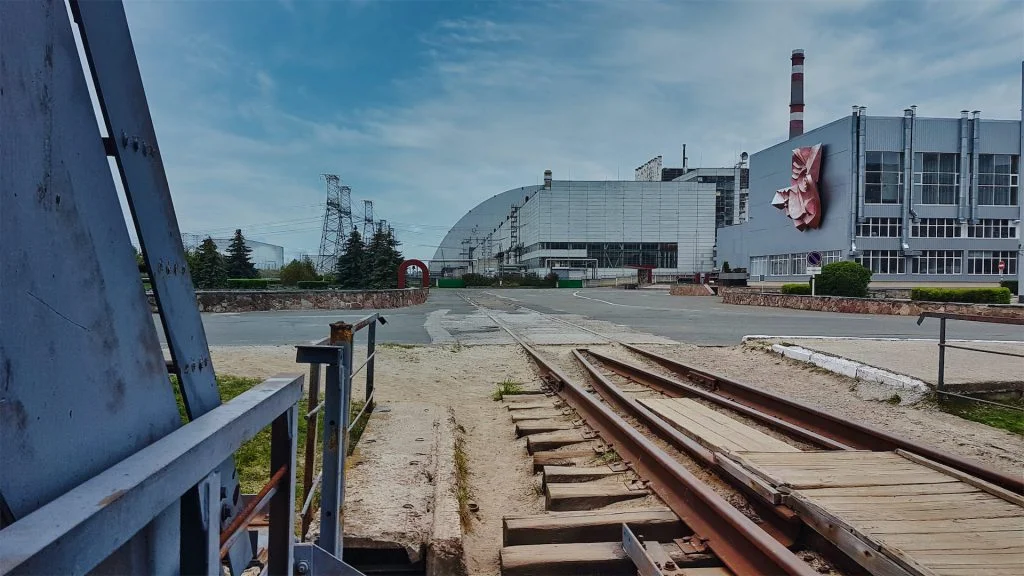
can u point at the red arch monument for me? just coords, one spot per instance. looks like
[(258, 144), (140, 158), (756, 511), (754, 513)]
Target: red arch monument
[(405, 266)]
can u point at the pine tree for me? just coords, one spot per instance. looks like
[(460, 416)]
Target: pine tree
[(210, 270), (238, 263), (378, 259), (351, 269), (297, 271)]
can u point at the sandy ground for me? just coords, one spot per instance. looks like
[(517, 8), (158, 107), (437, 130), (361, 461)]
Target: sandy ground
[(921, 359), (855, 400), (463, 378)]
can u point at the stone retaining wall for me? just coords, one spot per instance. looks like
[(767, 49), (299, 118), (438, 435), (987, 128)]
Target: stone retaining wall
[(690, 290), (865, 305), (266, 300)]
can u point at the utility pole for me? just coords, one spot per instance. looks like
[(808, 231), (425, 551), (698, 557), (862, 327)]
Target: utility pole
[(337, 221)]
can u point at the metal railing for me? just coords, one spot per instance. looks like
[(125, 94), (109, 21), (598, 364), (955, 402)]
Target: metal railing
[(940, 386), (336, 352)]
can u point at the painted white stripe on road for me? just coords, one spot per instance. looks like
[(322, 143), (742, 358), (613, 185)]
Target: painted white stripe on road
[(434, 329)]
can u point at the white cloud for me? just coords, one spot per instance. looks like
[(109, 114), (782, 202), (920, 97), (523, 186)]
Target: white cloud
[(590, 93)]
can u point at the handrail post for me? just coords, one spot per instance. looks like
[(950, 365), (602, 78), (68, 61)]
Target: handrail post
[(311, 428), (371, 346), (284, 434), (940, 386)]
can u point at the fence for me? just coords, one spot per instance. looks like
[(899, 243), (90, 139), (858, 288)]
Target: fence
[(940, 387), (336, 352)]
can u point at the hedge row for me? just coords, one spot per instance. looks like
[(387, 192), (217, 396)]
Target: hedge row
[(1011, 285), (962, 295), (248, 283), (313, 284), (798, 289)]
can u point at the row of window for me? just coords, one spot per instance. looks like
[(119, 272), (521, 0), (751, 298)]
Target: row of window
[(787, 264), (979, 262), (937, 178), (937, 228)]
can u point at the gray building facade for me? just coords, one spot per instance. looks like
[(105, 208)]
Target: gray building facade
[(916, 200)]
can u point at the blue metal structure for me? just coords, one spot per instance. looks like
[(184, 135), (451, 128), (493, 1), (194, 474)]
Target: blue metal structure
[(98, 474)]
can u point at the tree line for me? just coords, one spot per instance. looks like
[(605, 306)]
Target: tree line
[(364, 265)]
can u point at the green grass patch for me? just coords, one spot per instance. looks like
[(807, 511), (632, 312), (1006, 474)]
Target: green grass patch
[(1008, 419), (609, 457), (506, 387)]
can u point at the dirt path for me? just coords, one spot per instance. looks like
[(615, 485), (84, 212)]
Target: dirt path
[(463, 378)]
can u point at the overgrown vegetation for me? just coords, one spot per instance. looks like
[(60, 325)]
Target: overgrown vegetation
[(398, 345), (796, 289), (248, 283), (1009, 419), (298, 271), (609, 457), (1011, 285), (843, 279), (463, 493), (313, 284), (963, 295), (506, 387), (369, 263)]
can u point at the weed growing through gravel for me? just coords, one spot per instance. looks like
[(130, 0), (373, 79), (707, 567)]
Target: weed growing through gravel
[(398, 346), (894, 399), (462, 491), (457, 346), (1009, 419), (609, 457), (506, 387)]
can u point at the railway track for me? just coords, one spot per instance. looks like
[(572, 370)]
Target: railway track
[(702, 415)]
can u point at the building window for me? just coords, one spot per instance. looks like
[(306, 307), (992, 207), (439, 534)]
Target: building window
[(619, 255), (882, 261), (831, 256), (938, 262), (758, 266), (880, 228), (883, 177), (936, 177), (987, 262), (798, 264), (778, 265), (992, 228), (935, 228), (998, 179)]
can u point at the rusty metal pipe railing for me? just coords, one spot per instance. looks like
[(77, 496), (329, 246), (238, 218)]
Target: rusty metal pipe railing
[(253, 507), (858, 436)]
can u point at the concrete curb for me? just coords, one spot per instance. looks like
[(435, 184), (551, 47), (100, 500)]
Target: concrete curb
[(852, 368), (750, 337), (444, 548)]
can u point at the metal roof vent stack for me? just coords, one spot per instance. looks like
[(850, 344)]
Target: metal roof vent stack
[(796, 95), (547, 179)]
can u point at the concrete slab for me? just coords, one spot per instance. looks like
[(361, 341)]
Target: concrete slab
[(400, 487), (919, 359)]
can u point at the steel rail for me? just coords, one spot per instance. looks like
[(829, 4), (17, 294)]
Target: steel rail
[(674, 388), (780, 521), (737, 541), (245, 515), (856, 435)]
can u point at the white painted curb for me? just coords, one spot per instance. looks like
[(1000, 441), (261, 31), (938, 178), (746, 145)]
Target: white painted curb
[(851, 368)]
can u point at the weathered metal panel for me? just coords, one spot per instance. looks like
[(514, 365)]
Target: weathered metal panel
[(999, 137), (937, 135), (884, 134), (82, 380)]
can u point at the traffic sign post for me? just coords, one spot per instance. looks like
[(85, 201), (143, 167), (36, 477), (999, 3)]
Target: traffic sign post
[(814, 260)]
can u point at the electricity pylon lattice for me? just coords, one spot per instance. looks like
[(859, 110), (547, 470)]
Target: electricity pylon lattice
[(367, 220), (337, 223)]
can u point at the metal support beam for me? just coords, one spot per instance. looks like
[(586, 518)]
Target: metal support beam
[(284, 434), (103, 513)]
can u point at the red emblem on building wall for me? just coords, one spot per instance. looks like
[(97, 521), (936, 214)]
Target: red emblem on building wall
[(801, 200)]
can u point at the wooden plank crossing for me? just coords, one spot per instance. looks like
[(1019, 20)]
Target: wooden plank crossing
[(899, 515), (713, 429)]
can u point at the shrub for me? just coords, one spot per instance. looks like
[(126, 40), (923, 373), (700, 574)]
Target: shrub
[(843, 279), (1011, 285), (473, 279), (312, 284), (725, 267), (247, 283), (298, 271), (962, 295), (551, 280), (797, 289)]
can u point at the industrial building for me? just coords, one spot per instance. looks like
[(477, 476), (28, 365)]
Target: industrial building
[(586, 229), (731, 184), (916, 200)]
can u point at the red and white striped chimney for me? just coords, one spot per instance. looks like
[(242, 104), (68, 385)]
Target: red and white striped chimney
[(796, 95)]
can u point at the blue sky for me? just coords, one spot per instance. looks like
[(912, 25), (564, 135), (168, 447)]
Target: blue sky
[(428, 108)]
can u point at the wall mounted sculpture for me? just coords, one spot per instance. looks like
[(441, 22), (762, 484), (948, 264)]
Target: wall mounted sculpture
[(801, 201)]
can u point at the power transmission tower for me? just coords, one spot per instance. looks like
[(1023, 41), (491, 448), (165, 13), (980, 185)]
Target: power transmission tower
[(367, 220), (337, 221)]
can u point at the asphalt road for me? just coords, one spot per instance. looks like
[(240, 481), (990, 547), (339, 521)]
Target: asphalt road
[(700, 320)]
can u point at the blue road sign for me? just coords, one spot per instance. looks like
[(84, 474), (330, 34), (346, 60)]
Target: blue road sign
[(814, 258)]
